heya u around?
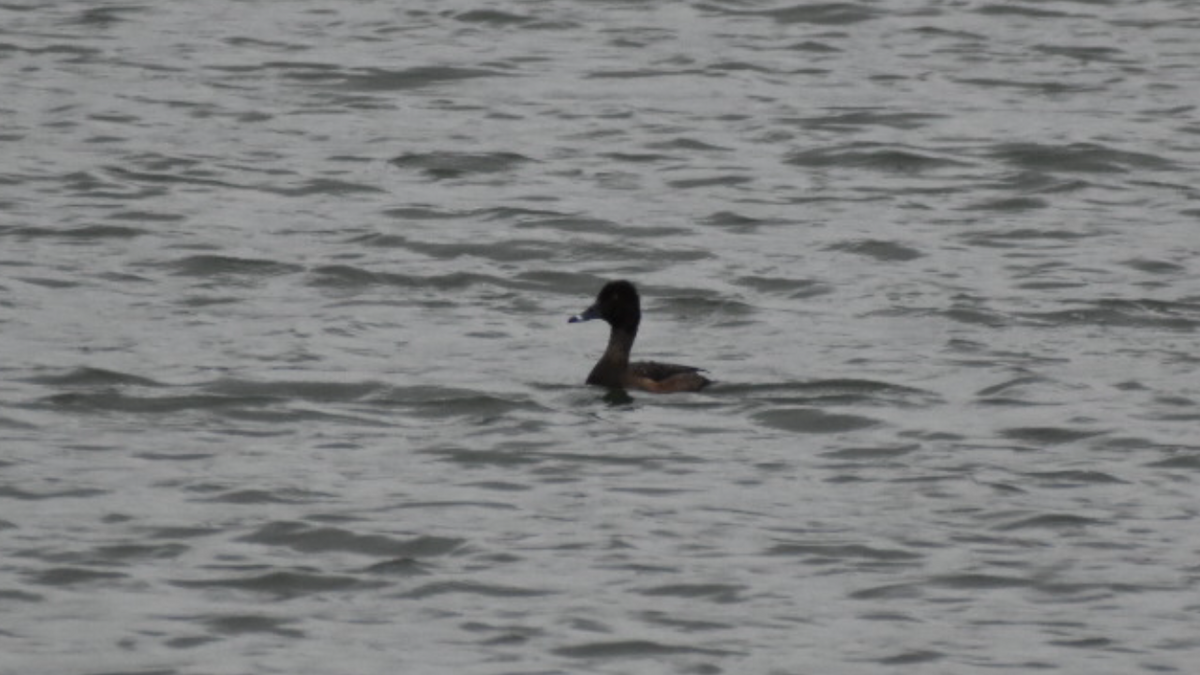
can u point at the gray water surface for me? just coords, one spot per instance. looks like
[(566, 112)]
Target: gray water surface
[(288, 385)]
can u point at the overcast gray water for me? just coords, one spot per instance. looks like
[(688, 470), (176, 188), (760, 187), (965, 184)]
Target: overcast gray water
[(288, 384)]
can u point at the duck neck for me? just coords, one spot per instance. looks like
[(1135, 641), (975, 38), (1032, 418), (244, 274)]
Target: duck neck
[(620, 344), (610, 369)]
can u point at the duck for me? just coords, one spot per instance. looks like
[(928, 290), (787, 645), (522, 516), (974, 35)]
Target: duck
[(619, 305)]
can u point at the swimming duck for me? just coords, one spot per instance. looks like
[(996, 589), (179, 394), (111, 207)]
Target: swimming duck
[(619, 305)]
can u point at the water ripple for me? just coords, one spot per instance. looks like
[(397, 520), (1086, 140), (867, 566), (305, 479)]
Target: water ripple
[(621, 649), (282, 585), (812, 421), (875, 156), (1077, 157), (450, 164), (310, 539)]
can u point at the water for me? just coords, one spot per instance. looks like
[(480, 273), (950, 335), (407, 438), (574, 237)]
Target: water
[(288, 385)]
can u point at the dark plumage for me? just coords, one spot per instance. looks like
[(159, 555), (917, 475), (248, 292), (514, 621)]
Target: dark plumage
[(619, 305)]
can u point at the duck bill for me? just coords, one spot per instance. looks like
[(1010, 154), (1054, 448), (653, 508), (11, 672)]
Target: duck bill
[(586, 315)]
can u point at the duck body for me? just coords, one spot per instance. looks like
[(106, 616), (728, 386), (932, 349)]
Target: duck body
[(619, 305)]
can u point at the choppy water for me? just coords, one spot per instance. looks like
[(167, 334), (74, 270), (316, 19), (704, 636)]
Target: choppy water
[(288, 385)]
